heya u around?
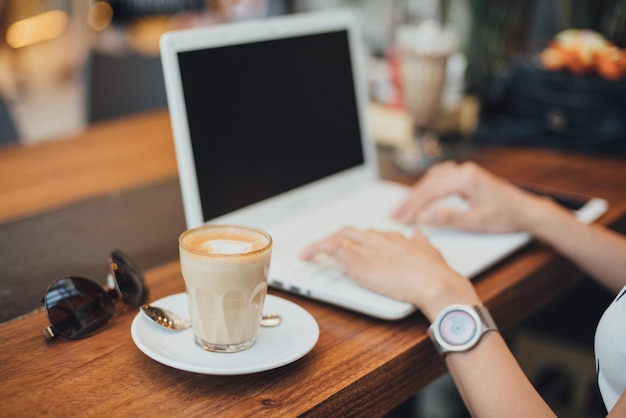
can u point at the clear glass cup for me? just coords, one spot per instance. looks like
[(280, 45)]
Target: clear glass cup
[(423, 50), (225, 269)]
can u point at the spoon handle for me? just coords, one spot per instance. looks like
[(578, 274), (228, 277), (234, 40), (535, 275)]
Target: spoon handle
[(172, 321)]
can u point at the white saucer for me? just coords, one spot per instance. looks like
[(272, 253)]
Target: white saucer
[(274, 347)]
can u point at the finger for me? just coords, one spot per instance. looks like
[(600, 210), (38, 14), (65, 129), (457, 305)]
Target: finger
[(354, 234), (333, 243), (417, 235), (328, 246), (438, 182), (451, 218)]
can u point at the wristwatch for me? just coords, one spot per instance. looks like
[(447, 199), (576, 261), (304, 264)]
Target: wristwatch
[(460, 327)]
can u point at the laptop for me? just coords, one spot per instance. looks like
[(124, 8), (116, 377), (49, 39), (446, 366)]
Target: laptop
[(270, 130)]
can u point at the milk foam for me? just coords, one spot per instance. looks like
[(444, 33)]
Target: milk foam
[(227, 246), (228, 240)]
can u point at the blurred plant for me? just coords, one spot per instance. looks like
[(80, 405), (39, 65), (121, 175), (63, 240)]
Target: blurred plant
[(498, 31), (613, 23)]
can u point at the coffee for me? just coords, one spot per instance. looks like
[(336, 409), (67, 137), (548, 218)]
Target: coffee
[(423, 78), (225, 270), (424, 49)]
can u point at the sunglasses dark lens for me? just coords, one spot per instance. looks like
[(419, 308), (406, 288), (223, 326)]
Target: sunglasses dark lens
[(77, 306), (129, 279)]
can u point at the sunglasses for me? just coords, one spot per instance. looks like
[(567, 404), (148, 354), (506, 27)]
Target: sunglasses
[(78, 307)]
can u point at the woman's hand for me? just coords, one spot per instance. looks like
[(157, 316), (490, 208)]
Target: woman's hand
[(407, 269), (494, 204), (411, 269)]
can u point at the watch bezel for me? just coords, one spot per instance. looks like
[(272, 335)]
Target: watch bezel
[(482, 323)]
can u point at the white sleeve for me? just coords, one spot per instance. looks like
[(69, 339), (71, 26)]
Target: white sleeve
[(610, 351)]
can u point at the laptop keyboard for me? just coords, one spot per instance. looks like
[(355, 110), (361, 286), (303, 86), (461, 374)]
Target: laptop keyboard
[(468, 253), (366, 210)]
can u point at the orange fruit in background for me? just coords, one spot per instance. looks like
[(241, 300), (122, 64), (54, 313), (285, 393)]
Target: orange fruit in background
[(609, 63), (583, 51), (552, 59)]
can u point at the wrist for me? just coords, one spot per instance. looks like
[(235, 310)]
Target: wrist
[(546, 220), (450, 290), (534, 212), (541, 216)]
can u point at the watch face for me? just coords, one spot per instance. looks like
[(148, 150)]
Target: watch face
[(457, 327)]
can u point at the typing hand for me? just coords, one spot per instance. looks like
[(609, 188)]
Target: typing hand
[(492, 204), (407, 269)]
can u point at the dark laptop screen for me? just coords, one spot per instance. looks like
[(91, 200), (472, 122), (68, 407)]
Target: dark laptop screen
[(268, 117)]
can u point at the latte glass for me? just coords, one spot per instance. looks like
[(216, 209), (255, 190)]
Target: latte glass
[(423, 51), (225, 270)]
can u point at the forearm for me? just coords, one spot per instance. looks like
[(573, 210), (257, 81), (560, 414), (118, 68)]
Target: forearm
[(598, 251), (491, 382), (488, 377)]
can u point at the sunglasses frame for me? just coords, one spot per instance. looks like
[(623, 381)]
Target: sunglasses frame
[(122, 270)]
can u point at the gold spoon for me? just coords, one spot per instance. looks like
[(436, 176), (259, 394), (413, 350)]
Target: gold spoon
[(170, 320)]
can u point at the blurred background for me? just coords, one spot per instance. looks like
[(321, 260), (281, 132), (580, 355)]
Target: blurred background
[(67, 63), (524, 72)]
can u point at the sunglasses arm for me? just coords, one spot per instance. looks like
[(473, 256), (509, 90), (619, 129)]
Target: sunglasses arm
[(49, 333), (113, 288)]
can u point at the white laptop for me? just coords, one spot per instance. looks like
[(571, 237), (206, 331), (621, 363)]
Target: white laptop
[(269, 126)]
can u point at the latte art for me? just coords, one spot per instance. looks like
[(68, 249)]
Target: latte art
[(226, 246), (224, 240)]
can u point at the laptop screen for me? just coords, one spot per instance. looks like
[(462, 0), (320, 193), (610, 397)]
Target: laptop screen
[(268, 117)]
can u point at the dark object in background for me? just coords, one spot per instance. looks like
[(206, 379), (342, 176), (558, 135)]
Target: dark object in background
[(8, 130), (124, 10), (124, 84), (556, 109)]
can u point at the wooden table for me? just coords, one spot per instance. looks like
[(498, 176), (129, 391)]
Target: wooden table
[(360, 366)]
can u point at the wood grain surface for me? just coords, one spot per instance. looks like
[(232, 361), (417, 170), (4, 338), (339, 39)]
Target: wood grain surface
[(360, 367)]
